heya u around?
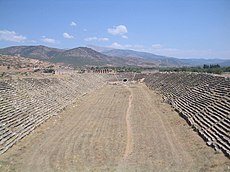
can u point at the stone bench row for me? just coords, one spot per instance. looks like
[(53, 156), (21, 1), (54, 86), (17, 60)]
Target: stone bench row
[(26, 103), (203, 100)]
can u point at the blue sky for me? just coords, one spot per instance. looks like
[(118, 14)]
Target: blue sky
[(179, 28)]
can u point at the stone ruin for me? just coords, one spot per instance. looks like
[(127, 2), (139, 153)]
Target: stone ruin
[(203, 100)]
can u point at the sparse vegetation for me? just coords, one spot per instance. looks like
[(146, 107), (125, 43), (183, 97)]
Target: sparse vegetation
[(213, 68), (49, 71)]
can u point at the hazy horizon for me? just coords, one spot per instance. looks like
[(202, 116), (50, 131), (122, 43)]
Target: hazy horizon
[(181, 29)]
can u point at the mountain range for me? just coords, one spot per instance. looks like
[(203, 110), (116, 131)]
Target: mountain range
[(76, 57), (85, 56)]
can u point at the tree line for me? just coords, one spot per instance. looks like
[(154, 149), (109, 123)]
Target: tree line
[(212, 68)]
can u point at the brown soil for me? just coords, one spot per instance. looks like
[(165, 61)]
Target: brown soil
[(116, 128)]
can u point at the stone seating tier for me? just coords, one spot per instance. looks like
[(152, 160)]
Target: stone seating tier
[(26, 103), (202, 99)]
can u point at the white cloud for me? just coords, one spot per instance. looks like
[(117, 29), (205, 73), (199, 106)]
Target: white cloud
[(127, 46), (156, 46), (96, 39), (6, 35), (90, 38), (116, 45), (33, 41), (67, 36), (73, 23), (124, 36), (103, 39), (118, 30), (120, 46), (49, 40)]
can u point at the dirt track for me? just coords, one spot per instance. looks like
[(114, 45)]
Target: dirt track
[(116, 128)]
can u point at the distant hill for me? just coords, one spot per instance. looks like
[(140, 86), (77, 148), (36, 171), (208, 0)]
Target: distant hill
[(83, 56), (201, 62), (98, 48), (38, 52), (158, 60), (225, 63), (77, 56)]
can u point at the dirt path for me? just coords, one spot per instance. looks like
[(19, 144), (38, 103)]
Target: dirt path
[(129, 142), (116, 128)]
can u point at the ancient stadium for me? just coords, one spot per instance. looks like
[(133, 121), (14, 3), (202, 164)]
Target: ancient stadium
[(103, 120)]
